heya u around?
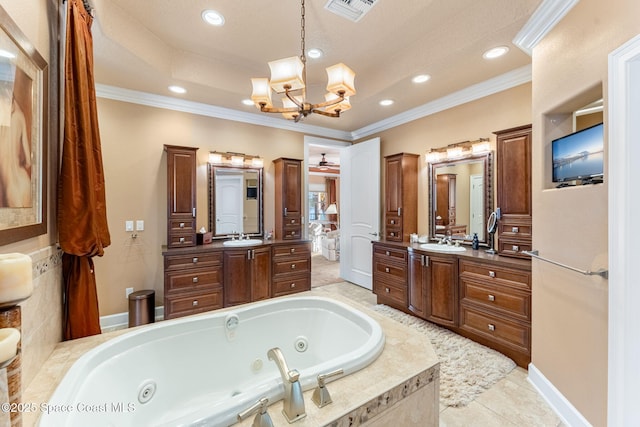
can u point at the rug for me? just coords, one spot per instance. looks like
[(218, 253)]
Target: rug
[(466, 368)]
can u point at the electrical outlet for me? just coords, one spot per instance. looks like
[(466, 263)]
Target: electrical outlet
[(127, 292)]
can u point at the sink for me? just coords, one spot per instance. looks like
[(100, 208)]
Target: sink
[(240, 243), (442, 248)]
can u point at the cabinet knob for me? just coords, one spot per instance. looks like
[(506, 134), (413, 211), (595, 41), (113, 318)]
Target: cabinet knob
[(293, 266), (492, 274), (515, 248), (195, 279), (491, 327), (491, 297), (293, 221), (195, 303), (293, 285), (182, 240), (292, 250), (387, 290), (515, 230), (195, 260), (393, 221), (182, 225), (293, 233), (387, 253), (386, 269), (392, 234)]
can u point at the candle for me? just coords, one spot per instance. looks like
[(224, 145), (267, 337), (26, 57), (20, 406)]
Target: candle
[(9, 338), (15, 277)]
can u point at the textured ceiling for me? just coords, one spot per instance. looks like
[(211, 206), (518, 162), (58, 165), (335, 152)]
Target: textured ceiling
[(147, 45)]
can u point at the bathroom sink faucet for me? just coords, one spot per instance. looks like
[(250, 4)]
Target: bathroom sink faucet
[(293, 405)]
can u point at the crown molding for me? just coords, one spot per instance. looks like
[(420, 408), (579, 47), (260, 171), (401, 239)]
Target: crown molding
[(546, 16), (497, 84), (169, 103)]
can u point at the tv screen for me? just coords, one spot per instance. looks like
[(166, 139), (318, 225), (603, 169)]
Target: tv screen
[(579, 156)]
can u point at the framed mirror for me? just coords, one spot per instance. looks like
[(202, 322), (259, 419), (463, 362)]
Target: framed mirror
[(461, 197), (235, 200)]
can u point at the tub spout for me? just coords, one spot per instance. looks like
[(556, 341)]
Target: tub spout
[(293, 405)]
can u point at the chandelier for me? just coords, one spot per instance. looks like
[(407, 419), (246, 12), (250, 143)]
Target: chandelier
[(289, 76)]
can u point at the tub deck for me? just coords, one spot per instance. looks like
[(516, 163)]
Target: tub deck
[(401, 387)]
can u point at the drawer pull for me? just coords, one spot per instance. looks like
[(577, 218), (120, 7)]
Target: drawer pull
[(293, 266), (491, 327), (293, 221), (195, 260), (182, 225), (386, 269), (492, 274), (392, 234), (195, 303), (293, 285), (515, 230), (292, 250), (515, 248), (195, 279), (387, 253), (393, 221), (491, 297), (182, 240), (293, 233), (387, 290)]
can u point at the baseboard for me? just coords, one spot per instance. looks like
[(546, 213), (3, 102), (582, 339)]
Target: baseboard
[(114, 322), (564, 409)]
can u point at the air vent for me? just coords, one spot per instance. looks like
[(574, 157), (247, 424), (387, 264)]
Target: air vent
[(353, 10)]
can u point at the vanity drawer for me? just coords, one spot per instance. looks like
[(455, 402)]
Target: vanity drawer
[(303, 249), (292, 232), (395, 294), (514, 247), (292, 265), (182, 224), (513, 228), (510, 301), (383, 253), (502, 331), (181, 239), (498, 274), (186, 304), (389, 272), (393, 234), (180, 262), (192, 280), (285, 286)]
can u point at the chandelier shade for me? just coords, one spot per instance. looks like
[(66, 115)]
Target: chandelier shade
[(286, 74), (341, 79), (343, 105), (261, 92)]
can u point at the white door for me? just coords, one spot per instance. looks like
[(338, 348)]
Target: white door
[(477, 206), (229, 206), (360, 210)]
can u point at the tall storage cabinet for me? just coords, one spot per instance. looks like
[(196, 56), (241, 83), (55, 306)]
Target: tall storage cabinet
[(513, 163), (288, 199), (401, 196), (181, 196)]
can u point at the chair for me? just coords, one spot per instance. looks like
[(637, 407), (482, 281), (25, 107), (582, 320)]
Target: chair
[(331, 245), (315, 232)]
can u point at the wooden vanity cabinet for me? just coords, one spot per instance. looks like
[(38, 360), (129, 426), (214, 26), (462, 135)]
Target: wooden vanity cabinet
[(446, 199), (433, 287), (513, 195), (288, 199), (291, 268), (181, 196), (192, 283), (247, 275), (401, 196), (390, 267)]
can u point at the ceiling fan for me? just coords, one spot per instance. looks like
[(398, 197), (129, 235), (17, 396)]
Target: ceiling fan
[(325, 165)]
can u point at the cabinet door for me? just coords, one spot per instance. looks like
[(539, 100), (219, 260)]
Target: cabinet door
[(442, 290), (237, 275), (260, 273), (417, 285), (292, 188), (393, 178), (514, 172)]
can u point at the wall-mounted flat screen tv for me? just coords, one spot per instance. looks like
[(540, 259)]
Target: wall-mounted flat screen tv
[(579, 156)]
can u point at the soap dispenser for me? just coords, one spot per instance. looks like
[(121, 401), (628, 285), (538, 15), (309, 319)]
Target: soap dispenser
[(474, 243)]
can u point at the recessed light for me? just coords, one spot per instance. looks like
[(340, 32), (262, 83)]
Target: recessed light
[(421, 78), (247, 102), (177, 89), (386, 102), (212, 17), (314, 53), (495, 52)]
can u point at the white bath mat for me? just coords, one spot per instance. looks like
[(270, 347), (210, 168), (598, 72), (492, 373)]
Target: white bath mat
[(466, 367)]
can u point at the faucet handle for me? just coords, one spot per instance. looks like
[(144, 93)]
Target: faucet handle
[(262, 418), (321, 396)]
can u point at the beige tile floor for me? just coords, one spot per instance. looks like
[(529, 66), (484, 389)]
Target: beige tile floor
[(511, 402)]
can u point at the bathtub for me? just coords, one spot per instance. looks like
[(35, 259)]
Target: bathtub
[(203, 370)]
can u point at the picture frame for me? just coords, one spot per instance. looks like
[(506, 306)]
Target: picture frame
[(23, 135)]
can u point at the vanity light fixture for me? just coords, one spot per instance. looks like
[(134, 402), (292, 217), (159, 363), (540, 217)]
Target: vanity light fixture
[(235, 159), (457, 150)]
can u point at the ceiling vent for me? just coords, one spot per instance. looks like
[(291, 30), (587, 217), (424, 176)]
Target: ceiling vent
[(353, 10)]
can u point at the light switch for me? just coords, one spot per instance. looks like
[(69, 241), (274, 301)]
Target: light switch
[(128, 225), (139, 225)]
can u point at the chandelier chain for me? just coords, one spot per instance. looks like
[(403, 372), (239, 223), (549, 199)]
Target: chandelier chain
[(303, 57)]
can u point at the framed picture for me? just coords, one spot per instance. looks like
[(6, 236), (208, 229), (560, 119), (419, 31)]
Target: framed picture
[(23, 135)]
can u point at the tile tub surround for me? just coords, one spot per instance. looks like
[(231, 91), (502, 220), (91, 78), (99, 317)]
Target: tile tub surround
[(408, 366)]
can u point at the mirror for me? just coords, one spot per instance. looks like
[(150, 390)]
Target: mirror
[(492, 226), (235, 201), (460, 197)]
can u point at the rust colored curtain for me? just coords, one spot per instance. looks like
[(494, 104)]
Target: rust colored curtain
[(82, 215), (332, 196)]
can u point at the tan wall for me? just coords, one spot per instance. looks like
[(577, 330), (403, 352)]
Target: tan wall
[(133, 137), (477, 119), (570, 224)]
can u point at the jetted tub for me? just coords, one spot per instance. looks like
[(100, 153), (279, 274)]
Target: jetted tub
[(205, 369)]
